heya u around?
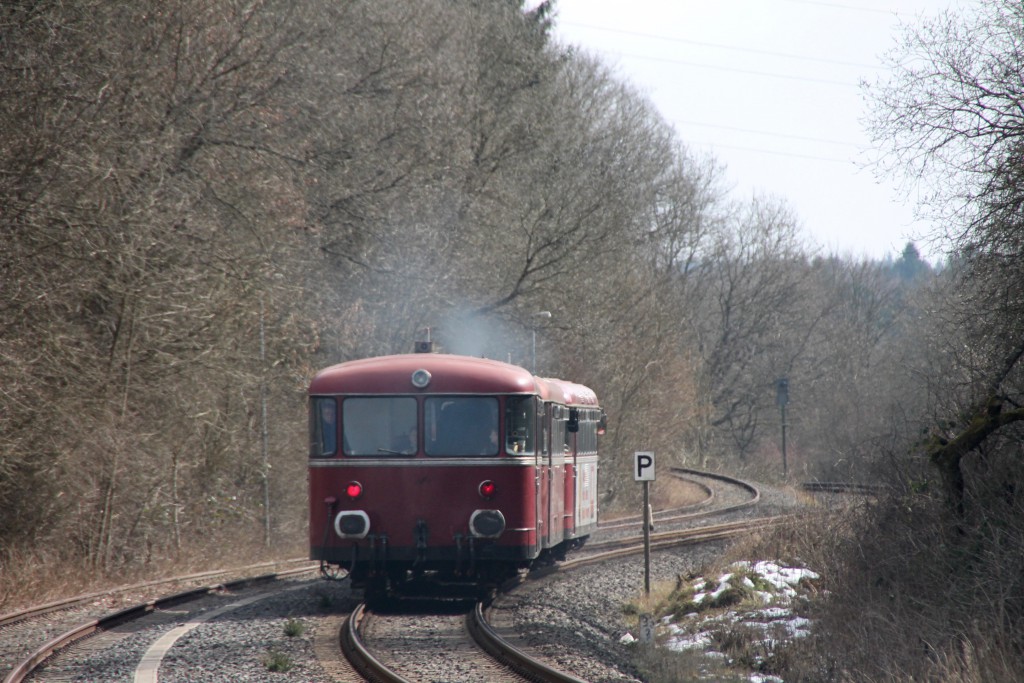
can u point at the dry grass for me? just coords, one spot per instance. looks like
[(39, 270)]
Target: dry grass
[(903, 596), (674, 493), (658, 664), (907, 593), (666, 493), (34, 577), (742, 635)]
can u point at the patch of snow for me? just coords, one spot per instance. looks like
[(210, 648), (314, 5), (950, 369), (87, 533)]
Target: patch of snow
[(697, 641), (722, 587), (776, 623), (774, 612), (783, 577)]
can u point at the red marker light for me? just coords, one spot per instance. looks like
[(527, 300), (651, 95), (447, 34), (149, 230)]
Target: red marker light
[(354, 489), (487, 489)]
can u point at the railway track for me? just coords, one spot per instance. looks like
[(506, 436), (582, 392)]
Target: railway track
[(379, 644), (842, 487), (723, 495), (451, 632), (56, 626), (413, 644), (447, 642)]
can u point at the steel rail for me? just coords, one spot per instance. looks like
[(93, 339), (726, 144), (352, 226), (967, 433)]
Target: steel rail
[(683, 512), (842, 487), (483, 634), (66, 603), (691, 510), (22, 670), (507, 654), (359, 656), (754, 491), (612, 549), (488, 639)]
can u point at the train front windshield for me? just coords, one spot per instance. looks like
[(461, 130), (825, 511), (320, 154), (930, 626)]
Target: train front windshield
[(379, 425), (461, 425)]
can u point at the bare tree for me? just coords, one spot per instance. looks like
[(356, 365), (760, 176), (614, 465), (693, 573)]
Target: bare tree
[(138, 229), (753, 317), (952, 114)]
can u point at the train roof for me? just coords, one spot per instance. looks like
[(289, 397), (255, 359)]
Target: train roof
[(447, 374), (573, 394)]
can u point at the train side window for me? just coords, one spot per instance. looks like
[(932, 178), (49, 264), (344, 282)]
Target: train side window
[(584, 433), (544, 415), (323, 427), (588, 436), (379, 425), (461, 425), (520, 429), (559, 436)]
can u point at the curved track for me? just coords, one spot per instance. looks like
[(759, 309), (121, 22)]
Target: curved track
[(723, 494), (26, 664), (445, 633), (373, 654), (422, 643)]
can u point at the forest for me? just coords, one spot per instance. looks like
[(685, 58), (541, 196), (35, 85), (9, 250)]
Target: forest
[(204, 202)]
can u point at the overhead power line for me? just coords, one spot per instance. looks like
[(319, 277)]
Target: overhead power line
[(750, 72), (812, 157), (837, 5), (769, 133), (720, 46)]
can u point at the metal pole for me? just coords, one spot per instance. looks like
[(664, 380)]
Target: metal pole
[(533, 354), (647, 538), (785, 472), (782, 398), (264, 437)]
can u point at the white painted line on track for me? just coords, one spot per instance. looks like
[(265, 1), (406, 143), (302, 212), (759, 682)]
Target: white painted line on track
[(146, 672)]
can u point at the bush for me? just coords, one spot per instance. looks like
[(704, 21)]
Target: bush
[(918, 591), (277, 662), (294, 628)]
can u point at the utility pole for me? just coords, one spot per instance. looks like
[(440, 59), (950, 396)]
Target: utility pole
[(264, 432), (782, 398)]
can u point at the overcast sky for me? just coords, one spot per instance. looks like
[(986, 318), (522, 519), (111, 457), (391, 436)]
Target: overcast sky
[(770, 88)]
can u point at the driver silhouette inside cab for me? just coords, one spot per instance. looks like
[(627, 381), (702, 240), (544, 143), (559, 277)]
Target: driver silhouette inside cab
[(328, 428)]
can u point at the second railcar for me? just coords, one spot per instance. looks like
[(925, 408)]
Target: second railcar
[(441, 469)]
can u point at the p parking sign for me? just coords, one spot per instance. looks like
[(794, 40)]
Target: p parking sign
[(643, 470), (643, 466)]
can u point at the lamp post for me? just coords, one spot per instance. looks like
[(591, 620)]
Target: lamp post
[(533, 329)]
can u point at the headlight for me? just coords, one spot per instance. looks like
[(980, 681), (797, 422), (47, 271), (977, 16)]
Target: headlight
[(487, 523), (352, 524)]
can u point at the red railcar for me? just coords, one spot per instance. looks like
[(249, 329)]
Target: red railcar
[(447, 469)]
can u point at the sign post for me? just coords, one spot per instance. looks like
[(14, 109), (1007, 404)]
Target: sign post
[(643, 470)]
